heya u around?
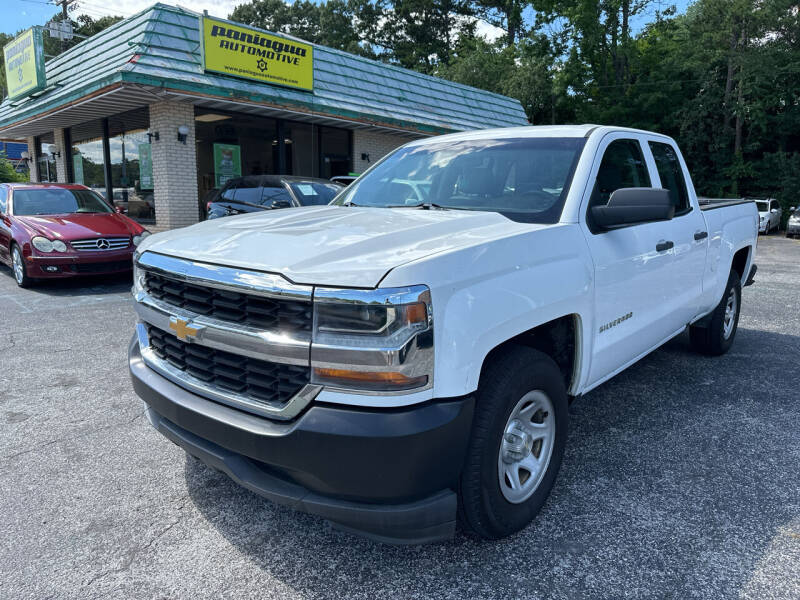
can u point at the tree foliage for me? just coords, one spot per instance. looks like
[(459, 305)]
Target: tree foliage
[(7, 172), (723, 78)]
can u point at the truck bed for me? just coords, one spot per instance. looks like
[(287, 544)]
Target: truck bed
[(712, 203)]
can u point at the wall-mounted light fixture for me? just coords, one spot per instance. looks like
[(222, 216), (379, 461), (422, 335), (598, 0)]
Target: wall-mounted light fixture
[(152, 136), (365, 156), (25, 155), (183, 133), (53, 150)]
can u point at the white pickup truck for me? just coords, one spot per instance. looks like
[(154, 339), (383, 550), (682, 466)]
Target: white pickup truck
[(407, 354)]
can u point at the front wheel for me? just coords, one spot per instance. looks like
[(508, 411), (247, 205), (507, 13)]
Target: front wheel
[(519, 433), (717, 337), (18, 266)]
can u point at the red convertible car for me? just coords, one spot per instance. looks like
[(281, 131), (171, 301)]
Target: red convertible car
[(63, 230)]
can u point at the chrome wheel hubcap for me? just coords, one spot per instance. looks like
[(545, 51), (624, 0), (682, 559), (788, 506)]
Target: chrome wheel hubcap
[(730, 315), (526, 446), (19, 270)]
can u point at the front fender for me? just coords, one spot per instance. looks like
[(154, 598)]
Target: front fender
[(486, 294)]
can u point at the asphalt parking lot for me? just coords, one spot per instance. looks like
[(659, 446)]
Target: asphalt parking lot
[(681, 479)]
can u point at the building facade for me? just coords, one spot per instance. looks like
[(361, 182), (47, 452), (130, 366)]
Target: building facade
[(159, 110)]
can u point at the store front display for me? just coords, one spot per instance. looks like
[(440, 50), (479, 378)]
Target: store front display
[(156, 112)]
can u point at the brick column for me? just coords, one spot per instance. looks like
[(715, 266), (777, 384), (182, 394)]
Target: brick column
[(174, 165), (376, 145), (33, 166), (63, 156)]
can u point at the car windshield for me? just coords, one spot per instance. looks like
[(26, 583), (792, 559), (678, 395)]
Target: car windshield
[(525, 179), (57, 201), (762, 206), (310, 193)]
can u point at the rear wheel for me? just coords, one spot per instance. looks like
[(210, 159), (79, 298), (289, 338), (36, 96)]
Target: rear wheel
[(717, 337), (18, 267), (518, 437)]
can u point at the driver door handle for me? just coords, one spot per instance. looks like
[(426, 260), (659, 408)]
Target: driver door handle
[(700, 235), (663, 246)]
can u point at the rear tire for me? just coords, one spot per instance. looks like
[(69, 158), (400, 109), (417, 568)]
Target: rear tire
[(717, 338), (18, 268), (519, 433)]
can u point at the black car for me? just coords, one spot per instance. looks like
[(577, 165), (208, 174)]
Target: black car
[(265, 192)]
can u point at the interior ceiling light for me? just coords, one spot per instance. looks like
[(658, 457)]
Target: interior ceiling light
[(211, 117)]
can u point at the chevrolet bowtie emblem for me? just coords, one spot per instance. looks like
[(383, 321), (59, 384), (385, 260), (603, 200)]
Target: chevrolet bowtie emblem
[(183, 330)]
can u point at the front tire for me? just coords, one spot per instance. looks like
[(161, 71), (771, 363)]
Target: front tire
[(18, 267), (717, 338), (519, 433)]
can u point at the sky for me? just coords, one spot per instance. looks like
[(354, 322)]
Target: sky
[(21, 14)]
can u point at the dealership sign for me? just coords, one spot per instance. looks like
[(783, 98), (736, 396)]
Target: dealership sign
[(253, 54), (24, 59)]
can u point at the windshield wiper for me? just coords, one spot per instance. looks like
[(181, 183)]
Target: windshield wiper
[(422, 205)]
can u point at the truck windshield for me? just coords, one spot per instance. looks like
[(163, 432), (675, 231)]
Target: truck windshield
[(57, 201), (525, 179), (762, 206)]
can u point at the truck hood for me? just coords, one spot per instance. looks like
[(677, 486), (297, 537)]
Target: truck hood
[(331, 245)]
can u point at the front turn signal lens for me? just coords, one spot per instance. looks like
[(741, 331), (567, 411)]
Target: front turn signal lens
[(368, 380)]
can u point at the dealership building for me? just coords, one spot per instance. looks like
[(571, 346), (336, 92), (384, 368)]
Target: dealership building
[(163, 107)]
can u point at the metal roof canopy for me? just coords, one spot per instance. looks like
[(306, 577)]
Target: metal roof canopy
[(124, 97), (156, 54)]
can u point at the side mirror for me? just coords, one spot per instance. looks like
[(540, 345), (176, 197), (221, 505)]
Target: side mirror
[(792, 208), (118, 210), (628, 206), (774, 211), (280, 204)]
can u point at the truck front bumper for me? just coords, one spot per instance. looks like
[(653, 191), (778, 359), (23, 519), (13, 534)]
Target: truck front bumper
[(386, 474)]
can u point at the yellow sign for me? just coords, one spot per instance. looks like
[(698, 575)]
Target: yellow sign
[(244, 52), (24, 59)]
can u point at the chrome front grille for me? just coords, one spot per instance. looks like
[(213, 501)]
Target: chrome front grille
[(101, 244), (238, 337), (258, 312), (273, 384)]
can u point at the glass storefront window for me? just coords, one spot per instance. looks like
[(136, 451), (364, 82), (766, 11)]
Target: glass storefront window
[(302, 149), (334, 152), (88, 163), (231, 145), (131, 165), (45, 160)]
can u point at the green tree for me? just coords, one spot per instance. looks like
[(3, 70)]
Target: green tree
[(7, 172)]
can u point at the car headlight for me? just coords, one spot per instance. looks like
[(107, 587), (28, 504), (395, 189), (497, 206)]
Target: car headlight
[(59, 246), (373, 340), (42, 244), (138, 238)]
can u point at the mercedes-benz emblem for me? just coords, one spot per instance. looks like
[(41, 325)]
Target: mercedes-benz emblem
[(102, 244)]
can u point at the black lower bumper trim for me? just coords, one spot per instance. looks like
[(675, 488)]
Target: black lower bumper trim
[(428, 520), (387, 473)]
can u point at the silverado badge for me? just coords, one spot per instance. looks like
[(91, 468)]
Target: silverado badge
[(184, 330)]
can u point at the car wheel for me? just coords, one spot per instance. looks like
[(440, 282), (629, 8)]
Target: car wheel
[(717, 337), (18, 267), (519, 432)]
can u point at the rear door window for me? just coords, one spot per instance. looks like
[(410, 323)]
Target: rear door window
[(249, 191), (314, 193), (275, 193), (227, 192), (671, 174)]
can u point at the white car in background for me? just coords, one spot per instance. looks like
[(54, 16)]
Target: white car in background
[(769, 215)]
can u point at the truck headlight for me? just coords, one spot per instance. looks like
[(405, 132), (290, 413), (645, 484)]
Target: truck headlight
[(373, 340), (138, 278)]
